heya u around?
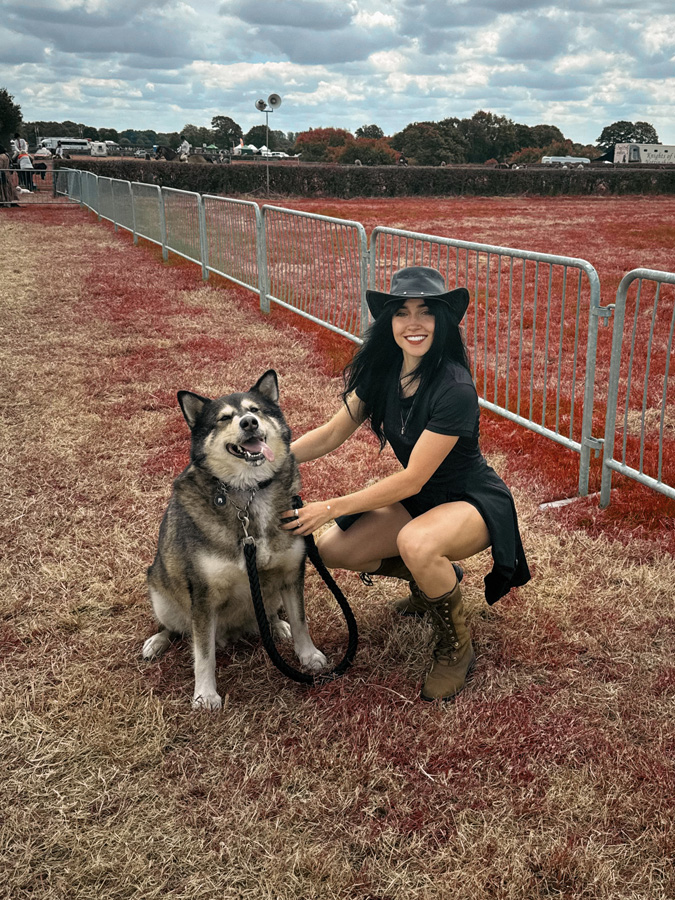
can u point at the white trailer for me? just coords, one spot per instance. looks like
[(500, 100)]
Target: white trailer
[(70, 145), (644, 153)]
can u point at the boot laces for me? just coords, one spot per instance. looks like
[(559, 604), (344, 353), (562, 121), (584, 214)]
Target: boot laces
[(447, 643)]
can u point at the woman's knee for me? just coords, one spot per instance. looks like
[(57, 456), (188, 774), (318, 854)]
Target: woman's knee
[(414, 544)]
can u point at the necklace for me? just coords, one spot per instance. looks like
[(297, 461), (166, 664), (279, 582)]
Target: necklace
[(404, 422)]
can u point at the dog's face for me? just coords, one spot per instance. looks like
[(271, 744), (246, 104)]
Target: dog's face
[(241, 439)]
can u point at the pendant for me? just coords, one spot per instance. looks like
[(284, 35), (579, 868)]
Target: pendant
[(220, 499)]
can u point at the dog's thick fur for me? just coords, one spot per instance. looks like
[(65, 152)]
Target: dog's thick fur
[(198, 583)]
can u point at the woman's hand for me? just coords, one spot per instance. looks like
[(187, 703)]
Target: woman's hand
[(307, 519)]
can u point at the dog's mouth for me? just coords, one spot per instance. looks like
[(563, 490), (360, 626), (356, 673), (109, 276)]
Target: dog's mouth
[(253, 450)]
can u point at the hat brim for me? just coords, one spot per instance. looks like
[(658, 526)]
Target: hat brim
[(457, 300)]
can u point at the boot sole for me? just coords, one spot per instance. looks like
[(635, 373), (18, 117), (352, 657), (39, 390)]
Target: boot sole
[(411, 614), (451, 697)]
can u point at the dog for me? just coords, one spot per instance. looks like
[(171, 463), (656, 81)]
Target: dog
[(241, 477)]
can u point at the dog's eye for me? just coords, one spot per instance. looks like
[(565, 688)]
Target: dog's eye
[(226, 417), (253, 409)]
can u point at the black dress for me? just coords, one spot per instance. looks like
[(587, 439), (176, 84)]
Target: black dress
[(451, 408)]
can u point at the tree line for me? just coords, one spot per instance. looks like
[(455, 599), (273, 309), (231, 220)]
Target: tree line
[(484, 137)]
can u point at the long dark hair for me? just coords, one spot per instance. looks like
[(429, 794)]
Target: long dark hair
[(376, 366)]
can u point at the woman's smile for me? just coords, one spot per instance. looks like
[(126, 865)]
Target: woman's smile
[(413, 327)]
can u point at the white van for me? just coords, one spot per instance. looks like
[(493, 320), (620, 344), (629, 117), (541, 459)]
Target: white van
[(99, 148)]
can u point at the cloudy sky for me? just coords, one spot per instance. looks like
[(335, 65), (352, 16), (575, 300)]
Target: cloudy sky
[(163, 63)]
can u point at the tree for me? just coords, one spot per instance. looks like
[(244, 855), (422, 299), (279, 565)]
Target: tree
[(258, 136), (319, 144), (369, 131), (226, 132), (428, 144), (10, 117), (627, 132), (108, 134), (197, 135), (371, 152), (488, 136), (533, 136)]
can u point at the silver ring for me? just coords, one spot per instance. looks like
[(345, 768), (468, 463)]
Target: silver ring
[(297, 513)]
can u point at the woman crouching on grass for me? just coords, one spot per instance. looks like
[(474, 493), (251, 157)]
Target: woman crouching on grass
[(410, 381)]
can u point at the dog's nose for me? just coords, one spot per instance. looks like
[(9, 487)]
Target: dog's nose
[(248, 423)]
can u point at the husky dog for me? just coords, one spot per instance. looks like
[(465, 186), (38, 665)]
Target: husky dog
[(241, 477)]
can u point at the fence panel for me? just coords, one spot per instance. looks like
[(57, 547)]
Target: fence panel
[(147, 205), (106, 203), (640, 382), (318, 266), (531, 329), (39, 186), (123, 204), (182, 216), (233, 230), (89, 190)]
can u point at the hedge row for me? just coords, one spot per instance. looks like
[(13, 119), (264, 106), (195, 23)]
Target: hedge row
[(384, 181)]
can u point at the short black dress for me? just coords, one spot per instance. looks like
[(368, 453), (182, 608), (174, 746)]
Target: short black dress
[(451, 407)]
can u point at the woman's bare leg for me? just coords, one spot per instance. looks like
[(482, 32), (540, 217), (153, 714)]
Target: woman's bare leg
[(429, 544), (367, 542)]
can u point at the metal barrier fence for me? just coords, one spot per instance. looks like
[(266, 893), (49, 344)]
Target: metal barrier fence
[(148, 213), (531, 329), (318, 267), (641, 378), (39, 186), (183, 214), (234, 244)]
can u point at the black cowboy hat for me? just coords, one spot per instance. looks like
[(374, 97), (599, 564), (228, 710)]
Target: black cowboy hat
[(419, 282)]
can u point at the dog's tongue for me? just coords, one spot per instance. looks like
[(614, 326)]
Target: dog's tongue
[(256, 446)]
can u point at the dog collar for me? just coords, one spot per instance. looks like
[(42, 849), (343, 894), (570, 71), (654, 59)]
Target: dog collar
[(222, 490)]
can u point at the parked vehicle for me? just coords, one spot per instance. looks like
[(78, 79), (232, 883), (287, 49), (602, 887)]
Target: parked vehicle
[(99, 148), (644, 153), (565, 161), (68, 144)]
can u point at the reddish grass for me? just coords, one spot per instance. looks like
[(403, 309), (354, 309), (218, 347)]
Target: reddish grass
[(552, 774)]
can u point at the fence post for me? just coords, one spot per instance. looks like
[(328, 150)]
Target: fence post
[(613, 388), (261, 255), (162, 225), (588, 442), (133, 212), (203, 239)]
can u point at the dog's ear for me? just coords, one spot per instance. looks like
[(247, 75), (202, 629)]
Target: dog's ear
[(268, 386), (192, 405)]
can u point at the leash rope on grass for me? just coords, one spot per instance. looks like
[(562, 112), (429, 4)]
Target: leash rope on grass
[(263, 623)]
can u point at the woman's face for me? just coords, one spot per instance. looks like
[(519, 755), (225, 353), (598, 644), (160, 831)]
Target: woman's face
[(413, 329)]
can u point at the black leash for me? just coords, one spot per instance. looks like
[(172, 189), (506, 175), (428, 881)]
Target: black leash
[(264, 626)]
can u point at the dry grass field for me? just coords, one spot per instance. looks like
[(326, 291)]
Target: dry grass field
[(553, 775)]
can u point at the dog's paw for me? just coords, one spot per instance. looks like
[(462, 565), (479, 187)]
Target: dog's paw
[(313, 659), (281, 629), (156, 645), (210, 700)]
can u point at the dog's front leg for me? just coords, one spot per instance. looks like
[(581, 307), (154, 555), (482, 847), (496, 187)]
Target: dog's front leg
[(204, 649), (303, 645)]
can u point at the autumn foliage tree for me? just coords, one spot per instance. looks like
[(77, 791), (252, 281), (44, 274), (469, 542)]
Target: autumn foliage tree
[(370, 152), (319, 144)]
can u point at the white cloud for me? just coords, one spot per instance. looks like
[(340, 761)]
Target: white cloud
[(161, 63)]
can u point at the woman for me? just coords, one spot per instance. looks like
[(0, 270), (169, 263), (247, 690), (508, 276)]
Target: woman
[(8, 194), (411, 381)]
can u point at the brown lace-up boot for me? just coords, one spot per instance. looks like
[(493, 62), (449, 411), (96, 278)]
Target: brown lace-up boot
[(453, 656), (413, 604), (394, 567)]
